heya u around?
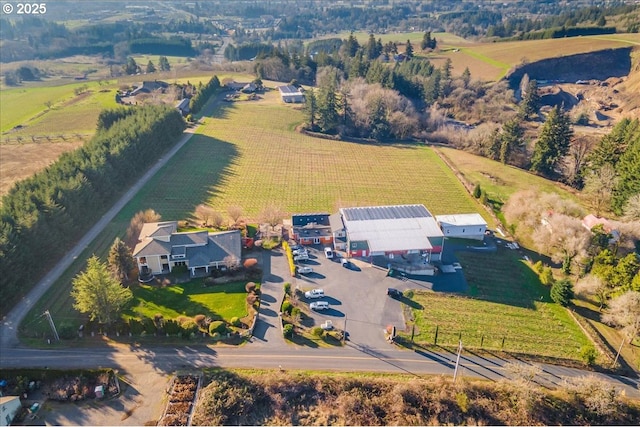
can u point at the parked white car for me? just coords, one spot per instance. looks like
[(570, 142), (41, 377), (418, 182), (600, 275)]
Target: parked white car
[(328, 252), (300, 251), (301, 258), (305, 270), (319, 305), (314, 293)]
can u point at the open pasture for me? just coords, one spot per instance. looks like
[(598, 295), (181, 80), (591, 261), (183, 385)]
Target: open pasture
[(506, 301), (498, 180)]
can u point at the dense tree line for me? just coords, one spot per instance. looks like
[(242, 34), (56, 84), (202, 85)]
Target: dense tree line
[(174, 46), (42, 216), (557, 33), (203, 94)]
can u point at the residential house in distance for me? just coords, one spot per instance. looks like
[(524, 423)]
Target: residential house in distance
[(591, 221), (312, 229), (183, 106), (9, 408), (150, 86), (291, 94), (161, 248), (466, 226)]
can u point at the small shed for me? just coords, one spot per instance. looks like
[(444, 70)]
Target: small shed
[(466, 226), (9, 408)]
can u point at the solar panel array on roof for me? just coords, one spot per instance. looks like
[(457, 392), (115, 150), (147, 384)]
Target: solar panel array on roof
[(386, 212), (288, 89)]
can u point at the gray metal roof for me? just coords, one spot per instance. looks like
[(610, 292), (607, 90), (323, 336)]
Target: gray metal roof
[(391, 228), (385, 212)]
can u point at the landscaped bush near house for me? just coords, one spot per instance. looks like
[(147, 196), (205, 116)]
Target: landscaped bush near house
[(317, 331), (135, 326), (250, 287), (287, 288), (188, 327), (148, 325), (200, 320), (235, 322), (287, 307), (269, 244), (252, 299), (287, 330), (172, 327), (217, 326)]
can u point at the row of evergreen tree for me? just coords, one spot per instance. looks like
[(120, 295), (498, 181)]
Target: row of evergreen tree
[(203, 94), (42, 216)]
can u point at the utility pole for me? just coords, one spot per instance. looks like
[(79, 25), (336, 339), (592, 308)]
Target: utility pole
[(53, 325), (618, 354), (344, 331), (455, 372)]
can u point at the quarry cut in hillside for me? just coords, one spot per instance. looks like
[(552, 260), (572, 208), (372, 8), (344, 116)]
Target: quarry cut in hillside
[(599, 84)]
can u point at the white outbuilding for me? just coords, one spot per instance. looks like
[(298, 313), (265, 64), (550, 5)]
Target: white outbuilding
[(465, 226)]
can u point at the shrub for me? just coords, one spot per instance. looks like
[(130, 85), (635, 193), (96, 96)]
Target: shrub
[(588, 354), (172, 327), (477, 191), (546, 277), (252, 299), (66, 330), (158, 321), (538, 267), (235, 322), (287, 288), (201, 320), (148, 325), (562, 292), (409, 294), (287, 307), (188, 327), (217, 326), (317, 331), (135, 326), (287, 330), (295, 311), (250, 287)]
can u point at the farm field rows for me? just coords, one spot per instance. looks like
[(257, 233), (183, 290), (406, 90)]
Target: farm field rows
[(298, 173), (506, 301)]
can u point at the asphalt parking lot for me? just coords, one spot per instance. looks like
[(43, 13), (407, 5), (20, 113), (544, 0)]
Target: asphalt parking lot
[(357, 297)]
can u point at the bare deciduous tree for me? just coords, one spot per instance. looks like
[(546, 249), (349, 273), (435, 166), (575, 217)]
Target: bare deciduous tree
[(632, 208), (206, 214), (563, 238), (624, 311), (272, 215), (235, 213), (599, 396), (598, 188), (136, 223), (575, 160), (593, 285)]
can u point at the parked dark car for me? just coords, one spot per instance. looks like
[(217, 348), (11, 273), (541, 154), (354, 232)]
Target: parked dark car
[(394, 293)]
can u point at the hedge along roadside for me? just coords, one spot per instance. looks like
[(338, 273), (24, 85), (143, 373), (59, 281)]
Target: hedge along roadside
[(42, 216)]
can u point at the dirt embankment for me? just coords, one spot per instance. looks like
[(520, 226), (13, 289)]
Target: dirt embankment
[(599, 85), (599, 65)]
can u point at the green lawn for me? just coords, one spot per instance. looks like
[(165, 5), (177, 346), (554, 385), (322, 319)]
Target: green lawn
[(505, 300), (190, 299)]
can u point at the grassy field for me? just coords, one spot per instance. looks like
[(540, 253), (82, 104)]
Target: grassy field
[(498, 180), (505, 301)]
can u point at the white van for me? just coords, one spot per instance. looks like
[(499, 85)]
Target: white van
[(319, 305)]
